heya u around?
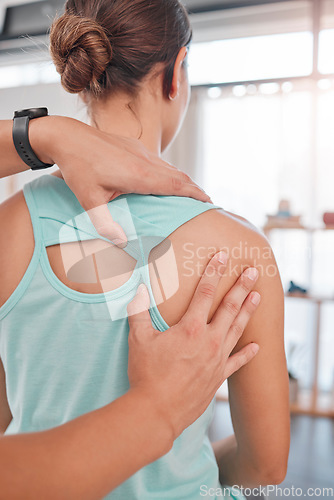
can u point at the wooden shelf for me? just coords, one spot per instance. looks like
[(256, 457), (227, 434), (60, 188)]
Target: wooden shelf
[(313, 412), (269, 227), (296, 409), (308, 296)]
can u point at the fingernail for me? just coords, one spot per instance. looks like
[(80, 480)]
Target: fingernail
[(119, 243), (252, 273), (255, 298), (222, 258), (255, 348), (205, 197)]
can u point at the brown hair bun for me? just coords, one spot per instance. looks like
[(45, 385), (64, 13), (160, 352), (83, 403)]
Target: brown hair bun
[(106, 46), (81, 52)]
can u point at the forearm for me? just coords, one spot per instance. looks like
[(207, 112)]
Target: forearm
[(87, 457), (233, 469), (10, 162)]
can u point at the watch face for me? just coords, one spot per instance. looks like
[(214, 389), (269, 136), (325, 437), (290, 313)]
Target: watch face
[(31, 113)]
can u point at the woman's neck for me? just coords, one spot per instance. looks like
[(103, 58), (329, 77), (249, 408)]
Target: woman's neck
[(140, 119)]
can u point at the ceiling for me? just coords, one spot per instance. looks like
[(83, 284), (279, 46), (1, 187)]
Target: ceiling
[(197, 6), (192, 5), (211, 19)]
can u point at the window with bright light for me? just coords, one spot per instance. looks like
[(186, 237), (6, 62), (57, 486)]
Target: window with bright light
[(28, 74), (326, 51), (267, 142), (257, 147), (253, 58)]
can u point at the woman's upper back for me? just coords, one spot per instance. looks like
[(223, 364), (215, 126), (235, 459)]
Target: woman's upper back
[(195, 230), (65, 349), (75, 318)]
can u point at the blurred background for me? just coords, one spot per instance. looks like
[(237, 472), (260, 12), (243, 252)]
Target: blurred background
[(259, 137)]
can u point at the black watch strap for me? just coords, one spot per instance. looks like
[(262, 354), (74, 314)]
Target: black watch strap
[(22, 144)]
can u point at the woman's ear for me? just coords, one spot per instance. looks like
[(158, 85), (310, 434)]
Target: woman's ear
[(177, 74)]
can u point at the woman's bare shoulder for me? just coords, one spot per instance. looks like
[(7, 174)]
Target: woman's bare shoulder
[(195, 242), (215, 228), (16, 243)]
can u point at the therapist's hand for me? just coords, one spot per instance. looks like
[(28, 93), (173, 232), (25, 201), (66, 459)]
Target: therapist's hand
[(98, 167), (181, 369)]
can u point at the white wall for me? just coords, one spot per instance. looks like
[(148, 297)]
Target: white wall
[(50, 95)]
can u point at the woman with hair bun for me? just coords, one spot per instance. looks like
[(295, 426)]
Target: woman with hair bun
[(127, 59)]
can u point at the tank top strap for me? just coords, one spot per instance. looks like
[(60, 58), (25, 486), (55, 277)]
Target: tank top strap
[(144, 269), (155, 220), (53, 210), (34, 216)]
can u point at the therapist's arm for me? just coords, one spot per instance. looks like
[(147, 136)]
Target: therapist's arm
[(96, 166), (87, 458)]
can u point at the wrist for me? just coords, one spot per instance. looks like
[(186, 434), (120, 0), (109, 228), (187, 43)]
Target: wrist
[(163, 426), (43, 137)]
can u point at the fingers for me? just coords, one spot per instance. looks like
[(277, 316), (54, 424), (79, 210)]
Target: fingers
[(202, 300), (160, 178), (191, 191), (138, 315), (239, 324), (180, 184), (231, 304), (240, 358), (106, 226)]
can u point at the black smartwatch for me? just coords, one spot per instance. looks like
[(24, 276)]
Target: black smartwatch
[(21, 137)]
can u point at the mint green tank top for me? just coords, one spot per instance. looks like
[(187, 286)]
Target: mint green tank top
[(65, 353)]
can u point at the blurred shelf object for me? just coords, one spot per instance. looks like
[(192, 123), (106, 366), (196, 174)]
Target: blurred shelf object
[(284, 223), (309, 296)]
